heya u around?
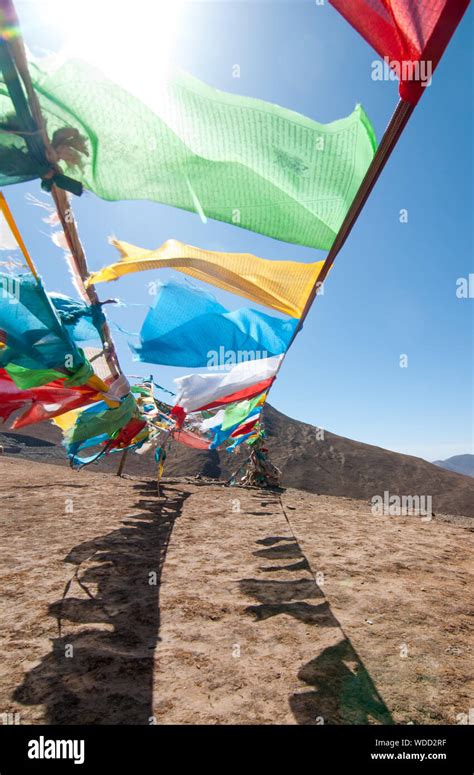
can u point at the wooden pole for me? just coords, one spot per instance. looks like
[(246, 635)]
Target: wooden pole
[(81, 272), (122, 462)]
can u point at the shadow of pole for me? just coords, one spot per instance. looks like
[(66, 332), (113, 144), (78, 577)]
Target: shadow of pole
[(103, 674)]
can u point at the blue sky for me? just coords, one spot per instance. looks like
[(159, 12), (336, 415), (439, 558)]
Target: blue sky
[(392, 290)]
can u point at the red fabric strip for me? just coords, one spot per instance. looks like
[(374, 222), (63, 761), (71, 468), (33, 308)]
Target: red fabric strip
[(240, 395), (190, 439), (405, 31), (448, 21), (127, 433), (179, 414), (243, 429), (46, 401)]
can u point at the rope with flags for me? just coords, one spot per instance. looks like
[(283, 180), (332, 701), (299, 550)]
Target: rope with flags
[(296, 180)]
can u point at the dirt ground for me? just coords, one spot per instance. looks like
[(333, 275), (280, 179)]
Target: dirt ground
[(219, 605)]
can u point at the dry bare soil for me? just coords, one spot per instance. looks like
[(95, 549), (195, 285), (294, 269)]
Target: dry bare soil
[(224, 605)]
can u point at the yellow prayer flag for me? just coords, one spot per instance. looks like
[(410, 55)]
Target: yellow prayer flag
[(281, 285), (67, 419)]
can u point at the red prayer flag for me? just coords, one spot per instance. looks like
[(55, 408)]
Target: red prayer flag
[(127, 434), (242, 430), (46, 401), (190, 439), (410, 35), (240, 395)]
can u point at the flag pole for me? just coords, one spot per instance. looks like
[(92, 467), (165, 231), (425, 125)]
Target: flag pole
[(122, 462)]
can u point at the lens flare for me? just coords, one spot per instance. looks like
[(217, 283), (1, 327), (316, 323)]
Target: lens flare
[(131, 42)]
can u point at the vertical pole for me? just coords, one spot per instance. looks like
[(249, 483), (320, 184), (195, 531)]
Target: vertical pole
[(122, 462)]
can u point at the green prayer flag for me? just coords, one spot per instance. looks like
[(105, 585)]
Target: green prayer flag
[(237, 413), (101, 419), (81, 375), (28, 378), (232, 158)]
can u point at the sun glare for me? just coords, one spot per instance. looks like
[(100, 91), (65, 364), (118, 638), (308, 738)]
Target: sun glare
[(129, 40)]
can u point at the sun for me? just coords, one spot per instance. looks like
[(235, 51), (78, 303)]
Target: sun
[(129, 40)]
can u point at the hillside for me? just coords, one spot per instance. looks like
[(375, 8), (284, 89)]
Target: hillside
[(332, 466)]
